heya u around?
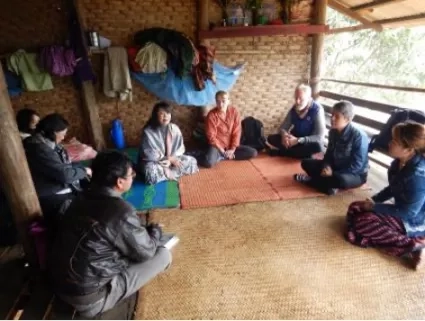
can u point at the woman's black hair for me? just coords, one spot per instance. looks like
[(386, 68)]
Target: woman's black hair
[(24, 118), (52, 124), (153, 120)]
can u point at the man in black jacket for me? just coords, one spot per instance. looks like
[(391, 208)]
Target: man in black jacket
[(103, 253)]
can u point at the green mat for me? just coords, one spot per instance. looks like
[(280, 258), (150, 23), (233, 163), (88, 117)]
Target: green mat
[(142, 196), (161, 195)]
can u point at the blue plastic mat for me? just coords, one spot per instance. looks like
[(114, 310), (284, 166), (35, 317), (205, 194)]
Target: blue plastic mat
[(167, 86)]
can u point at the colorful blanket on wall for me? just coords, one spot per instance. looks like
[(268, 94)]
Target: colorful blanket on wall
[(167, 86)]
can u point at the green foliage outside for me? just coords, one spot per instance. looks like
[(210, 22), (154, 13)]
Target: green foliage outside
[(391, 57)]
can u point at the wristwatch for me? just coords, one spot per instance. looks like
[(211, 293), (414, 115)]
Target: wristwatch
[(301, 140)]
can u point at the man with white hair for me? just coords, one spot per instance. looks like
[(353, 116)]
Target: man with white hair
[(302, 132)]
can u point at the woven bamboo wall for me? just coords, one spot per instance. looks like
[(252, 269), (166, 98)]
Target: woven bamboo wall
[(265, 89), (275, 65), (64, 99), (119, 21), (29, 24)]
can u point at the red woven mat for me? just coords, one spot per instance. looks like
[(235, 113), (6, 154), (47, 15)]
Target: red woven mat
[(228, 183)]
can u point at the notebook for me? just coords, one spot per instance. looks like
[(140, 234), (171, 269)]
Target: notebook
[(169, 240)]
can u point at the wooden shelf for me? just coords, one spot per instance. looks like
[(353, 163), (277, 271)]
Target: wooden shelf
[(256, 31)]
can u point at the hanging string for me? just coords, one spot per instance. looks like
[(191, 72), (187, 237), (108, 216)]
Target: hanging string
[(117, 107)]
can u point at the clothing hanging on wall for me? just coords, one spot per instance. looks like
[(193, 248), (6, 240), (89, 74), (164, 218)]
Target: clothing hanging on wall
[(116, 76), (25, 65), (151, 59), (57, 60)]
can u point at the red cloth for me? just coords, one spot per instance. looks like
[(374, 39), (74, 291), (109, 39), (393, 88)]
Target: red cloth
[(78, 151), (203, 70), (224, 133), (132, 53)]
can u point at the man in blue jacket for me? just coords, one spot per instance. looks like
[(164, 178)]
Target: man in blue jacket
[(345, 164)]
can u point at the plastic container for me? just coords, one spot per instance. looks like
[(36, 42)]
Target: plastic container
[(117, 134)]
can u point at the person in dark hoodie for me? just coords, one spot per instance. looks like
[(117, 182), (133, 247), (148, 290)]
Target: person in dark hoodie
[(56, 179), (104, 252)]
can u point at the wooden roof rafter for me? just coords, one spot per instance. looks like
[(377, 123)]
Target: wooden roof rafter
[(404, 19), (351, 28), (374, 4), (334, 4), (378, 14)]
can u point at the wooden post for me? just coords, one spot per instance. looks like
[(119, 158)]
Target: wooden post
[(91, 113), (15, 176), (203, 25), (317, 48), (203, 15), (90, 107)]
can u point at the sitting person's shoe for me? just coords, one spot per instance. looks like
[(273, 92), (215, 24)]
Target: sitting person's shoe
[(273, 152), (302, 178), (331, 191)]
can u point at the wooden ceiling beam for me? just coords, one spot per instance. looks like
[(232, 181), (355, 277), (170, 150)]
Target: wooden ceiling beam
[(352, 14), (374, 4), (401, 19), (351, 28)]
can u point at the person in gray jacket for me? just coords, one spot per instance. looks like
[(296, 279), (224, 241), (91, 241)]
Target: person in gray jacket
[(56, 179), (104, 252), (302, 132)]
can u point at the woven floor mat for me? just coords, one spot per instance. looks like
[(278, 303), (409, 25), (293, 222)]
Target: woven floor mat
[(279, 172), (228, 183), (277, 260)]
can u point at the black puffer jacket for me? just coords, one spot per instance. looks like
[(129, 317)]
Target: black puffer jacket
[(98, 237)]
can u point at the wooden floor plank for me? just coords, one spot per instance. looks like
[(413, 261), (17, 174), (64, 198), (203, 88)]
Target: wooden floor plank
[(13, 277), (40, 297)]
